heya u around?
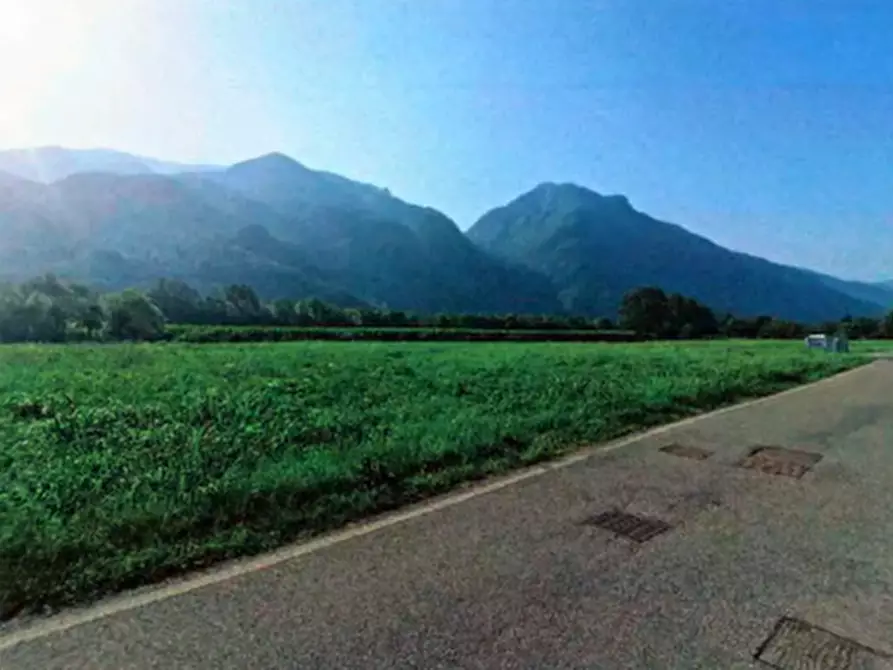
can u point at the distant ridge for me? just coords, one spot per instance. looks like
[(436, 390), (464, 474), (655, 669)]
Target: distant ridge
[(114, 219), (594, 248), (49, 164)]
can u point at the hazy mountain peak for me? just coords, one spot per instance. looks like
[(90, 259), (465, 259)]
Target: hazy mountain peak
[(278, 156), (48, 164), (273, 159), (552, 187), (575, 194), (594, 248)]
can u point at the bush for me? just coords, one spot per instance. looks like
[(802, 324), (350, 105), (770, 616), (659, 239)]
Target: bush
[(210, 334), (133, 316)]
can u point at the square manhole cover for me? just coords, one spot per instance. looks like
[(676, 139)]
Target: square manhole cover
[(632, 526), (780, 461), (795, 644), (686, 451)]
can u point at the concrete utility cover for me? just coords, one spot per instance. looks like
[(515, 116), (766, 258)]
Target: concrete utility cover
[(796, 644), (780, 461)]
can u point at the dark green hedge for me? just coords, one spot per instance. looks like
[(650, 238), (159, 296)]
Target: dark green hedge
[(204, 334)]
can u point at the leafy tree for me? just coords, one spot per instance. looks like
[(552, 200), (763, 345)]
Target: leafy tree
[(133, 316), (179, 302), (780, 329), (864, 327), (242, 302), (30, 316), (689, 318), (646, 311), (92, 319), (48, 285), (314, 312), (886, 326), (829, 327), (353, 316), (283, 311)]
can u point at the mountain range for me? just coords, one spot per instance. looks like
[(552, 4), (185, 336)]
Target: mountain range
[(115, 220), (49, 164)]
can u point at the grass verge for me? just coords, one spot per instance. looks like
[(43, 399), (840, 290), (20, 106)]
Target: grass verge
[(122, 465)]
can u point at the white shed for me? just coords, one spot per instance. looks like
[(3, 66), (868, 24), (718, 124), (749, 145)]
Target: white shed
[(817, 341)]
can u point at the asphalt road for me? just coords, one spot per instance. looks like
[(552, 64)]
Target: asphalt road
[(518, 577)]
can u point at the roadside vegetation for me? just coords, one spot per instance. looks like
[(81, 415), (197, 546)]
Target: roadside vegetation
[(122, 464), (47, 309)]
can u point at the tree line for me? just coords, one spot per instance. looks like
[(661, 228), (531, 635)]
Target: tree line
[(651, 312), (47, 309)]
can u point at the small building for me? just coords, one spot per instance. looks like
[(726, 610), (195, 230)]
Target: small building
[(839, 344), (817, 341)]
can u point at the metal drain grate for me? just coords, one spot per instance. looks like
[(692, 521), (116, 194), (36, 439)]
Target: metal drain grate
[(685, 451), (795, 644), (780, 461), (637, 528)]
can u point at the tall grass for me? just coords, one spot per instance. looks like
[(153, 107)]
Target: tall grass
[(123, 464)]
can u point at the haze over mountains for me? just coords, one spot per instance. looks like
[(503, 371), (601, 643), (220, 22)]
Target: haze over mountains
[(49, 164), (116, 220)]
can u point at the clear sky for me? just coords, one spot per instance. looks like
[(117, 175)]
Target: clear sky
[(766, 125)]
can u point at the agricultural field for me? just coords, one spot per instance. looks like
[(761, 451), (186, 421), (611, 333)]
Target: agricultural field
[(124, 464), (871, 346)]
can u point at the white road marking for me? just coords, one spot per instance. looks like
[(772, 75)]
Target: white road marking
[(125, 602)]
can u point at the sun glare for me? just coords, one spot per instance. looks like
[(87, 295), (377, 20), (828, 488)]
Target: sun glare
[(26, 24), (17, 22), (42, 34), (40, 42)]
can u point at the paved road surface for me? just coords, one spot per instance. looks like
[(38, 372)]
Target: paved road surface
[(516, 578)]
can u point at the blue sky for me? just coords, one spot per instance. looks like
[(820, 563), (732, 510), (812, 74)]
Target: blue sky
[(766, 125)]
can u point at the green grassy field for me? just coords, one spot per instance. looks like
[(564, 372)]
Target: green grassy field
[(124, 464), (871, 346)]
